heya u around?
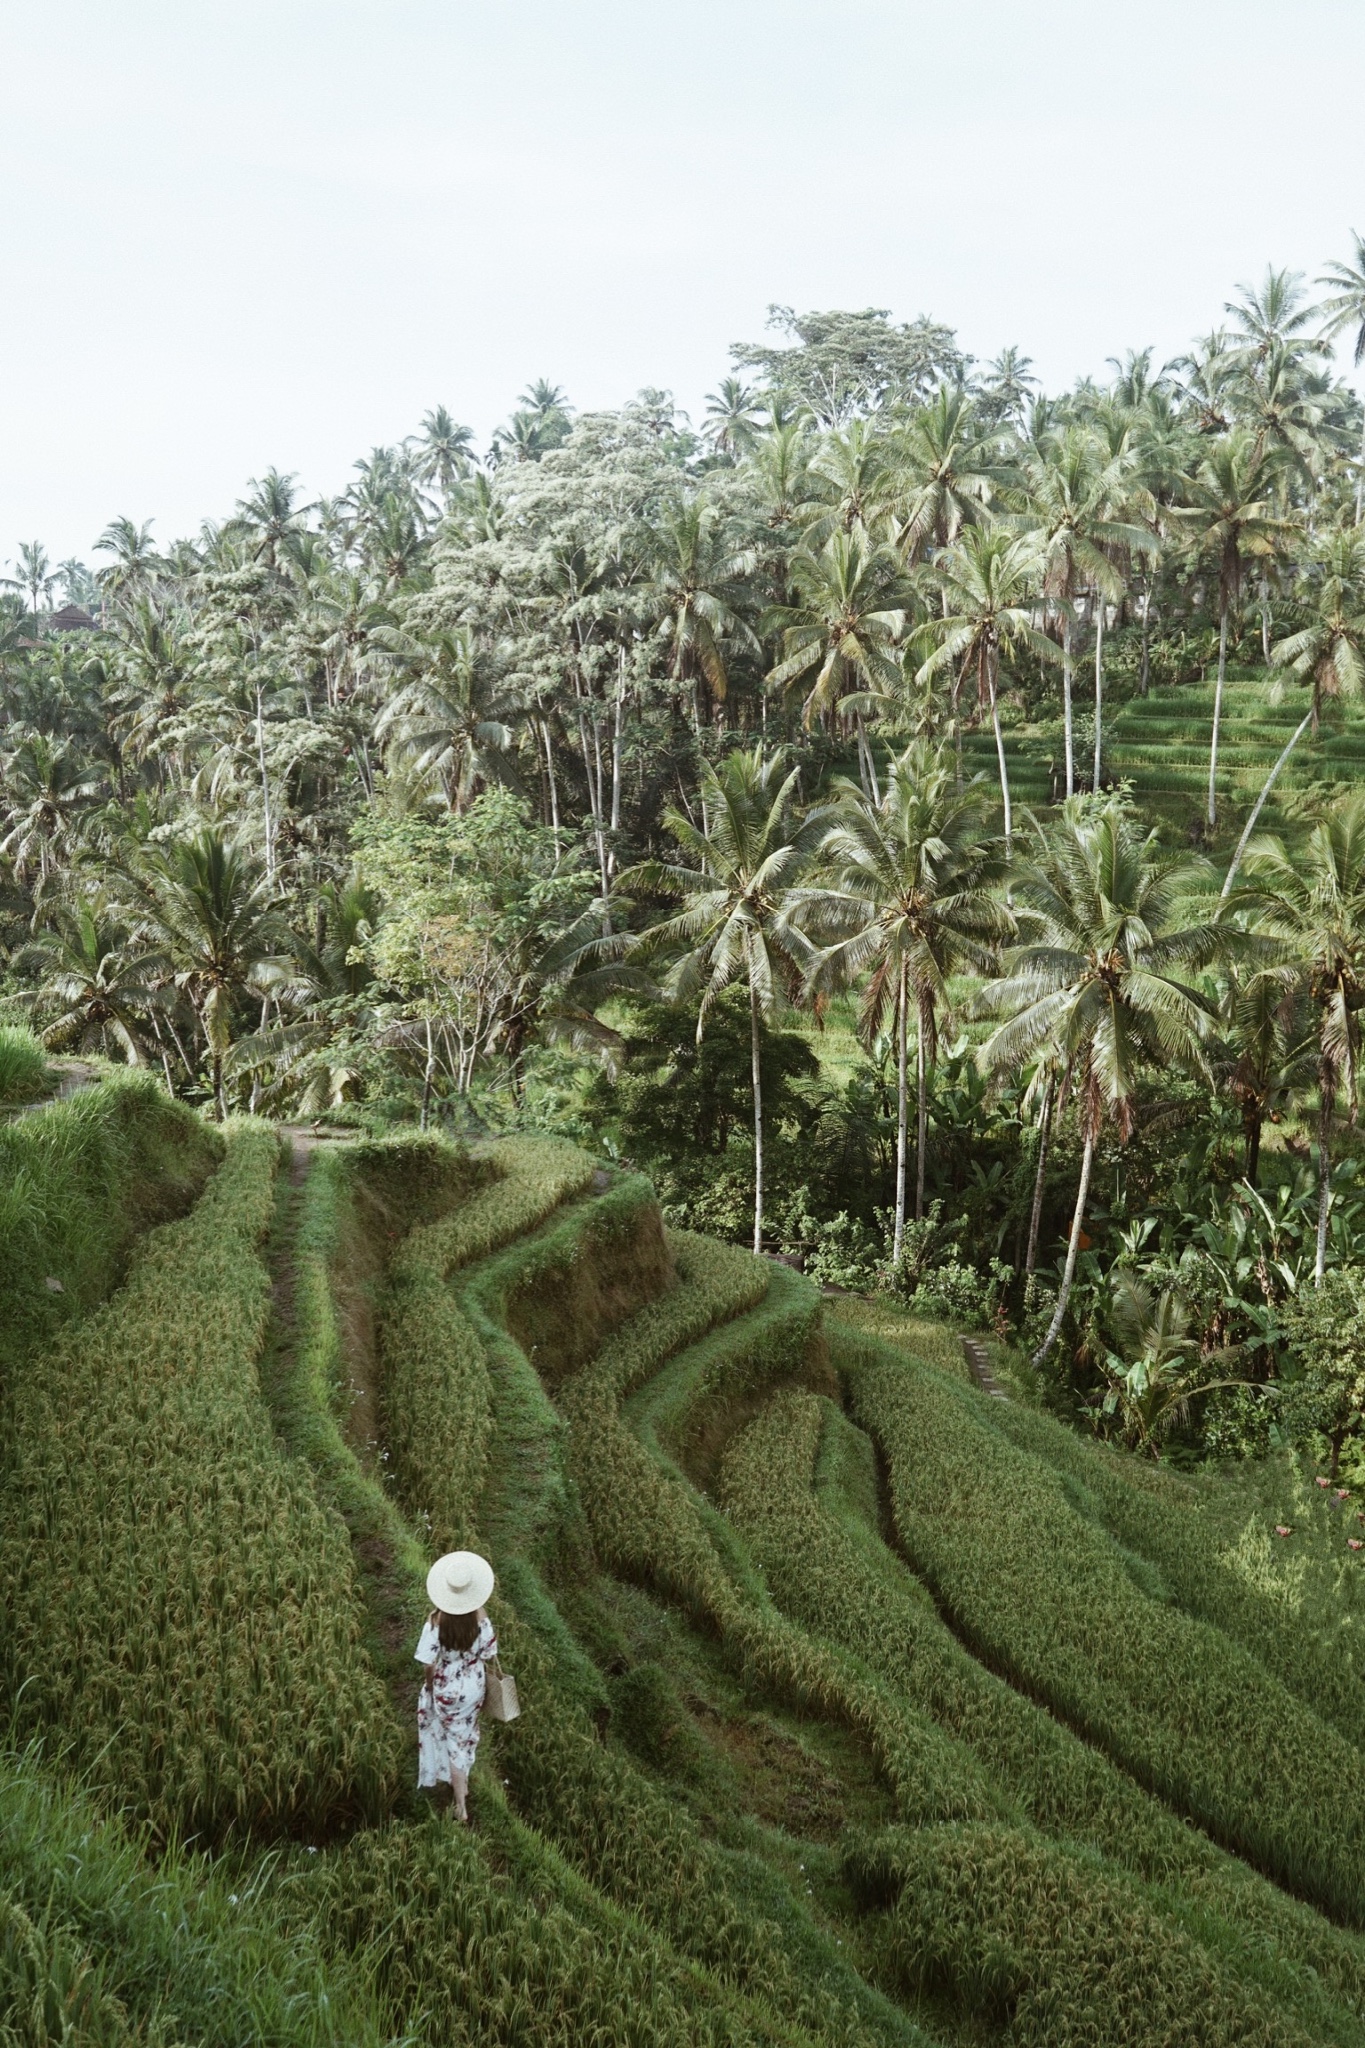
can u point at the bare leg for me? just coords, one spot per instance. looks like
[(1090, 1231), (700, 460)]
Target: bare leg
[(459, 1785)]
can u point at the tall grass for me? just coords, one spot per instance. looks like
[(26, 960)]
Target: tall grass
[(181, 1610), (24, 1071), (801, 1483), (101, 1946), (1043, 1594), (79, 1181)]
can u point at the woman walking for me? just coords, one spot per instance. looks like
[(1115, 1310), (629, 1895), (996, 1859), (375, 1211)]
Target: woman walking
[(455, 1645)]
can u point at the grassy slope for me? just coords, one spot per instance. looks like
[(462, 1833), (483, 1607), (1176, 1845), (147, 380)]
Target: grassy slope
[(1161, 744), (812, 1803)]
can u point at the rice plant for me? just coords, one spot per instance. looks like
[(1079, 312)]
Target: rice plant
[(182, 1611)]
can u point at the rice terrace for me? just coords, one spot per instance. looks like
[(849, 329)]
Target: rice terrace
[(682, 1202)]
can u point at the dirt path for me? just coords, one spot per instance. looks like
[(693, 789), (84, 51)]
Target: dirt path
[(345, 1482), (76, 1075)]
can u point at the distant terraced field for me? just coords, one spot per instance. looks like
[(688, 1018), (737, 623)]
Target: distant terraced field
[(1160, 743)]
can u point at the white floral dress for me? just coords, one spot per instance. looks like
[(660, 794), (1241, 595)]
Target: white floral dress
[(448, 1709)]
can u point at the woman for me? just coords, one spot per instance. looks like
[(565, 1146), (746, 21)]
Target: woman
[(455, 1645)]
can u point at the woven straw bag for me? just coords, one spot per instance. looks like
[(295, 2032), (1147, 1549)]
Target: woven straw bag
[(500, 1701)]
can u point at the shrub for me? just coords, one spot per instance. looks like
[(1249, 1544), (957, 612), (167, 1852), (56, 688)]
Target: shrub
[(182, 1612)]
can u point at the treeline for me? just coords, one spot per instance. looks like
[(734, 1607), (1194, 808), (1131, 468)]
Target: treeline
[(374, 800)]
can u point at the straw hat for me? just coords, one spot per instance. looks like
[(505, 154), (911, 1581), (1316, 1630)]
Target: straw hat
[(459, 1582)]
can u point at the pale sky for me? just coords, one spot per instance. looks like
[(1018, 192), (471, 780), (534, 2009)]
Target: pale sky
[(278, 231)]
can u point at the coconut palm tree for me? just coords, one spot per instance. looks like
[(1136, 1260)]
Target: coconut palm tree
[(1328, 653), (46, 786), (1099, 984), (949, 466), (990, 580), (444, 452), (909, 897), (738, 869), (205, 903), (1228, 512), (1309, 900), (696, 588), (841, 632), (442, 719), (97, 987), (1068, 496), (1345, 311)]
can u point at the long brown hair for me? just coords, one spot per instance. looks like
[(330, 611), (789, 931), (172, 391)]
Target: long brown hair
[(457, 1631)]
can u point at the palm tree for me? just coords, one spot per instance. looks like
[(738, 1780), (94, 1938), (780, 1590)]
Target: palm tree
[(36, 575), (732, 418), (206, 905), (738, 870), (910, 896), (1228, 514), (268, 515), (842, 631), (1099, 985), (949, 465), (696, 589), (1328, 653), (1069, 493), (1309, 900), (441, 718), (1346, 310), (136, 563), (990, 580), (47, 785), (97, 987), (444, 452)]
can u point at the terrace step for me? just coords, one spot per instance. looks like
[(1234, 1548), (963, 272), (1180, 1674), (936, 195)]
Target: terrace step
[(979, 1365)]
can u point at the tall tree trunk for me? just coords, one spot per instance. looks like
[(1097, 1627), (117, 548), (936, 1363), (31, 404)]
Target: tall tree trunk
[(921, 1112), (428, 1076), (265, 785), (1036, 1213), (554, 786), (1000, 754), (1360, 475), (866, 744), (1066, 705), (1073, 1246), (1266, 787), (1253, 1130), (755, 1048), (902, 1113), (1099, 692), (1324, 1180), (1145, 676), (1265, 621), (219, 1095), (1217, 715)]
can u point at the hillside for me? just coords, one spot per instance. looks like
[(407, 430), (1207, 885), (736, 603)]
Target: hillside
[(858, 1707), (1160, 743)]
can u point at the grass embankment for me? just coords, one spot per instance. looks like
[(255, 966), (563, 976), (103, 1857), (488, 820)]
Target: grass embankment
[(103, 1945), (182, 1612), (801, 1483), (640, 1919), (25, 1075), (80, 1181), (1046, 1596)]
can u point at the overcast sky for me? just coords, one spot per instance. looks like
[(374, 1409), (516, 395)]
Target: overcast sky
[(278, 231)]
